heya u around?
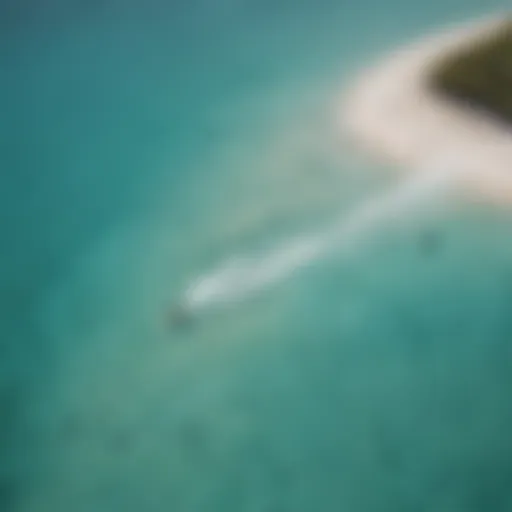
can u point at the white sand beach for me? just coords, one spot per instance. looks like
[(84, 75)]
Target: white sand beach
[(390, 113)]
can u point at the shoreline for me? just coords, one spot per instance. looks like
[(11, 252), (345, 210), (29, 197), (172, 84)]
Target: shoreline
[(390, 113)]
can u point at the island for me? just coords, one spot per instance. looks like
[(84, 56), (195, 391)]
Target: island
[(447, 97), (480, 76)]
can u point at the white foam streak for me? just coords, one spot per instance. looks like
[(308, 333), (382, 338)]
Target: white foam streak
[(240, 277)]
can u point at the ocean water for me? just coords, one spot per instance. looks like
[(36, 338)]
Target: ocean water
[(149, 146)]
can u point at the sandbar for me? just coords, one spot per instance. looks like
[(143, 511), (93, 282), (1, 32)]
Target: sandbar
[(390, 112)]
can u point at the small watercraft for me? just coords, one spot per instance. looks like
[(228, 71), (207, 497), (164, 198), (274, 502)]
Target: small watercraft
[(180, 316)]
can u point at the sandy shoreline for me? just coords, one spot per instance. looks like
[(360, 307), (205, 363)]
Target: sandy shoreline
[(390, 113)]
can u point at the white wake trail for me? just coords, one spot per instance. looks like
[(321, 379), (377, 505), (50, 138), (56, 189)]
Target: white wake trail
[(242, 276)]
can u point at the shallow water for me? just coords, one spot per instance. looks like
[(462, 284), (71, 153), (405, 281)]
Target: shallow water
[(146, 143)]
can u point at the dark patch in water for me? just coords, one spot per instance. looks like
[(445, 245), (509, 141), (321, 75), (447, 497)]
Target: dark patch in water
[(72, 426), (191, 435), (430, 243), (179, 318), (120, 441)]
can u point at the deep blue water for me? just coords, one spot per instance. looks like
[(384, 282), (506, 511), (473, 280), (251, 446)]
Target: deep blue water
[(145, 142)]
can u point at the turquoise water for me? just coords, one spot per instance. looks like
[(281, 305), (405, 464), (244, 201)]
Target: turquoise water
[(143, 144)]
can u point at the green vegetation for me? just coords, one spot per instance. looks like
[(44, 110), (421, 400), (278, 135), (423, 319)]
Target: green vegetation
[(480, 75)]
